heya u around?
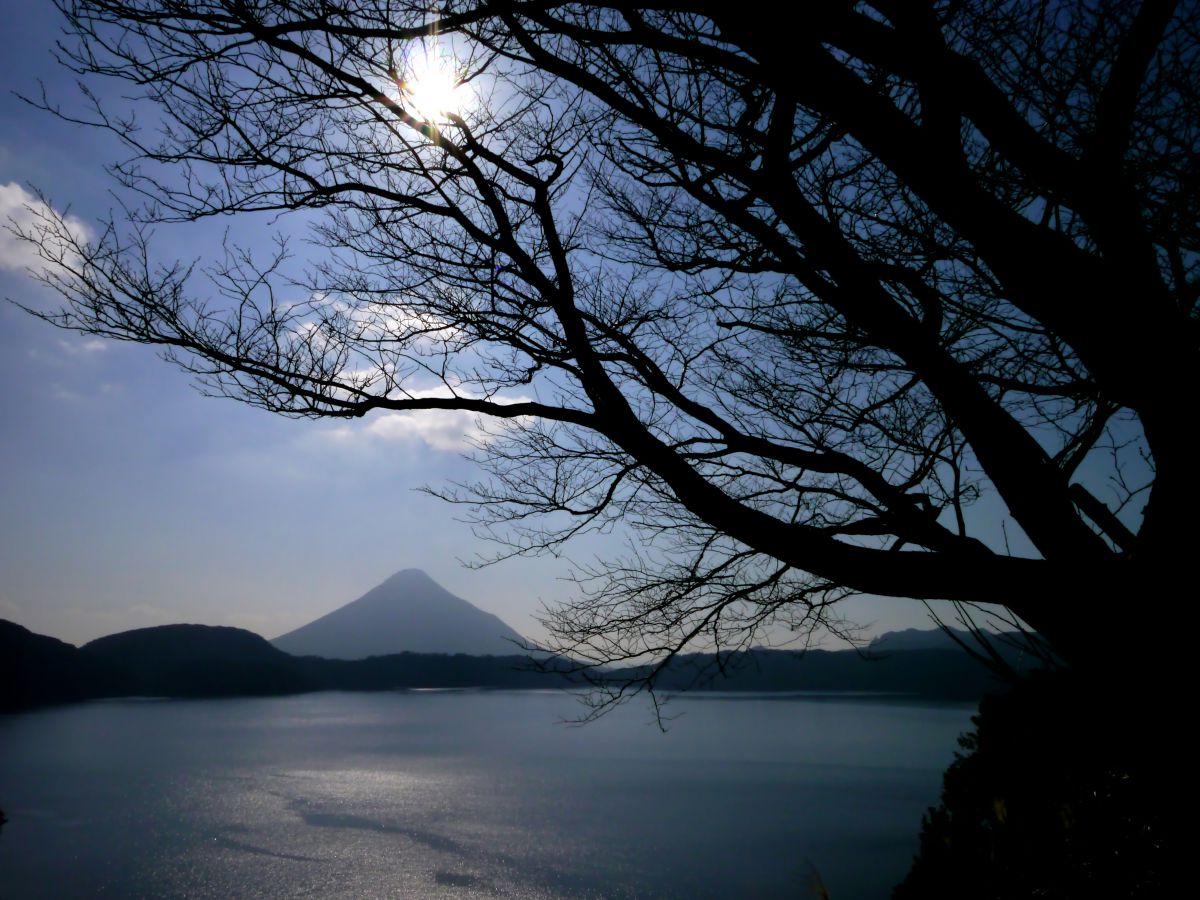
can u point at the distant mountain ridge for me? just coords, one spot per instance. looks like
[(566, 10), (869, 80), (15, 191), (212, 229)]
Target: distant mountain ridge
[(917, 639), (214, 661), (194, 661), (182, 644), (926, 670), (407, 613), (36, 669), (208, 661)]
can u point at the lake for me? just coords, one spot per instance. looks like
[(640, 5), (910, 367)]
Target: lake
[(467, 795)]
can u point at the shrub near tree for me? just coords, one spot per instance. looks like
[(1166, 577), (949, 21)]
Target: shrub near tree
[(1054, 796)]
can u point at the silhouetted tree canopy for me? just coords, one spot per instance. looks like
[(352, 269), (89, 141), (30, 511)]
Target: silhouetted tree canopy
[(784, 301)]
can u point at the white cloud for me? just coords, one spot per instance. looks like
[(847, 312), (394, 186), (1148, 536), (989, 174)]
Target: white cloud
[(23, 211), (440, 429), (88, 347), (65, 394), (374, 319), (449, 430)]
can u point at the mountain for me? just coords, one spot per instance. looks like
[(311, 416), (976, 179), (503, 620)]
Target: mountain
[(195, 661), (925, 672), (917, 639), (183, 645), (924, 663), (36, 670), (1013, 647), (410, 612), (213, 661)]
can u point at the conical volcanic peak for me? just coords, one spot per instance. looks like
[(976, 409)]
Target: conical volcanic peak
[(407, 612)]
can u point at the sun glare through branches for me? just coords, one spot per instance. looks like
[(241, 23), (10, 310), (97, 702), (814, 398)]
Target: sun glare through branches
[(431, 85)]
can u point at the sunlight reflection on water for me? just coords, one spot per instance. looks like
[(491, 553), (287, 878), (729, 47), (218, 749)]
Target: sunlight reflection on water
[(464, 796)]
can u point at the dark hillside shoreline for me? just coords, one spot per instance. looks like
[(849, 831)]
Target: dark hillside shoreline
[(180, 661)]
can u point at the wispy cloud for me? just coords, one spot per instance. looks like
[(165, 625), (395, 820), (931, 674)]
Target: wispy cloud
[(439, 429), (88, 347), (24, 212)]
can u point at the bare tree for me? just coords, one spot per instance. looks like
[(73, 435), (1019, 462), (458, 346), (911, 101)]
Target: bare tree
[(784, 302)]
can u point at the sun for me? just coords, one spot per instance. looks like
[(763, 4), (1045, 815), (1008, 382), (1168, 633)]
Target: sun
[(433, 89)]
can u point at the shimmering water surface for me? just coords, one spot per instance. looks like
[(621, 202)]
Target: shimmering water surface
[(466, 795)]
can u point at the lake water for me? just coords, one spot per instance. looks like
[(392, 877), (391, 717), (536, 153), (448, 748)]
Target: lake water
[(466, 795)]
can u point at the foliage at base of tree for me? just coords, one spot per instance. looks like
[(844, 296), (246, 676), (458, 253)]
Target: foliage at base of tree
[(1055, 795)]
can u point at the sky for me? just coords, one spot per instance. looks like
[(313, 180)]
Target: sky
[(127, 499)]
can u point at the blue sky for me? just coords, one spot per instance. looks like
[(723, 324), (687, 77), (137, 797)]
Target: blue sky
[(127, 499)]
